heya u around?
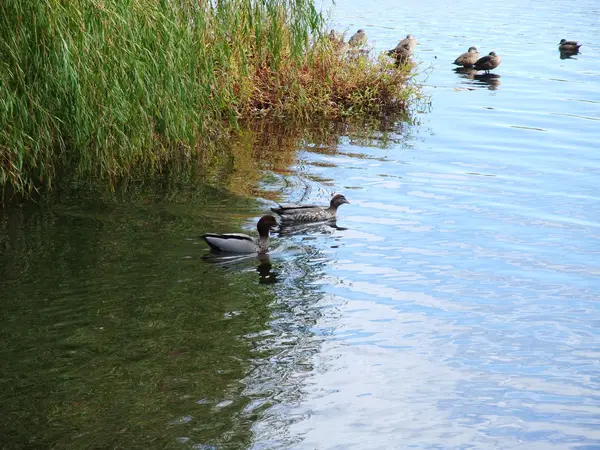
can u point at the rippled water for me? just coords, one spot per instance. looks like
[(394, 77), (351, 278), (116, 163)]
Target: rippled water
[(455, 306)]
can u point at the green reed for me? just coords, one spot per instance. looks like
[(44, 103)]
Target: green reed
[(101, 87)]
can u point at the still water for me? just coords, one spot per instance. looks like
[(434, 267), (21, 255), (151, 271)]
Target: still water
[(455, 306)]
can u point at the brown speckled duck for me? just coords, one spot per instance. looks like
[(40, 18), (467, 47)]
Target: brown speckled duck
[(400, 54), (359, 38), (488, 62), (409, 40), (404, 49), (310, 213), (467, 59)]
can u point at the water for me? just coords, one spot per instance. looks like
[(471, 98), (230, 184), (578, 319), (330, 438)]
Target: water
[(456, 306)]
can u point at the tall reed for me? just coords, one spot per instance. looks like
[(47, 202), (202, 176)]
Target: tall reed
[(100, 87)]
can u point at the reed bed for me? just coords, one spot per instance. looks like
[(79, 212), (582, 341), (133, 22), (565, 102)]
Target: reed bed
[(99, 88)]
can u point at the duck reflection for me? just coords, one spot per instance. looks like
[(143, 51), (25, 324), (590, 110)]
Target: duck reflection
[(293, 229), (466, 72), (491, 80), (244, 263), (568, 54), (266, 274)]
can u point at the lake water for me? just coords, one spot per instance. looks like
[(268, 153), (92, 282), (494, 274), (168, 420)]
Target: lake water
[(457, 304)]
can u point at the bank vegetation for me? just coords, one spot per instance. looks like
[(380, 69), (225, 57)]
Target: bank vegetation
[(99, 88)]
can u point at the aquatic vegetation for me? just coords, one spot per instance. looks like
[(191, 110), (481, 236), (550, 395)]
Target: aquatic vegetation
[(102, 89)]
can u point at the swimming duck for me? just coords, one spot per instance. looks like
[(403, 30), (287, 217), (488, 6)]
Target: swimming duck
[(310, 213), (467, 59), (568, 46), (242, 243), (359, 38), (488, 62)]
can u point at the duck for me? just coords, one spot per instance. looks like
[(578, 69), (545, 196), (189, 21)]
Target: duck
[(359, 38), (401, 53), (468, 59), (568, 46), (404, 49), (337, 41), (310, 213), (488, 62), (409, 40), (242, 243), (408, 43)]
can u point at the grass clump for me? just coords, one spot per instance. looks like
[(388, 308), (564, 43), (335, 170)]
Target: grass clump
[(98, 88)]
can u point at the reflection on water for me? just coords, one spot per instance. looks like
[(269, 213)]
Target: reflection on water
[(261, 263), (490, 80), (265, 270), (326, 227), (565, 54)]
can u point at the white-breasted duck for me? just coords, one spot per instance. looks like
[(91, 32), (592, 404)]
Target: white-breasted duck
[(568, 46), (467, 59), (311, 213), (242, 243), (488, 62)]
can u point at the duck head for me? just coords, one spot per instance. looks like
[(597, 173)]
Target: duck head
[(472, 49), (361, 31), (562, 41), (337, 200), (492, 54), (265, 224)]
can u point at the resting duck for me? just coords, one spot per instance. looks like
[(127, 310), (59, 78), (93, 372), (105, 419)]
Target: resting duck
[(310, 213), (409, 40), (401, 53), (242, 243), (467, 59), (568, 46), (404, 49), (359, 38), (488, 62)]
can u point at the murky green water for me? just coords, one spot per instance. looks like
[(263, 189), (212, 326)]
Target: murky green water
[(456, 306)]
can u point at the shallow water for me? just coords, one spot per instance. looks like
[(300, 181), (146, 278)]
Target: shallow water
[(455, 306)]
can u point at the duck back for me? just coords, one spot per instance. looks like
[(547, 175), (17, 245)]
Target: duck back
[(231, 242)]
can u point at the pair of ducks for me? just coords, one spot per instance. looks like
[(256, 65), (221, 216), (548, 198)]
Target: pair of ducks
[(402, 52), (242, 243), (471, 59)]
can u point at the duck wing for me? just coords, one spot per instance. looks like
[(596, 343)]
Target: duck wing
[(483, 63), (461, 59), (467, 59), (230, 242), (296, 209)]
